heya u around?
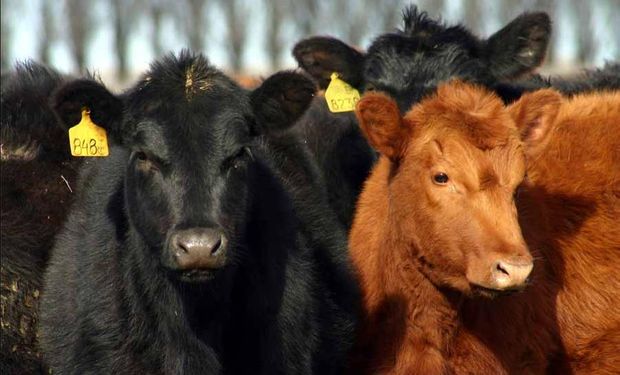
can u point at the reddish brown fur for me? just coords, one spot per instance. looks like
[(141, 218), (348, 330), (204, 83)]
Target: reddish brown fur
[(421, 315)]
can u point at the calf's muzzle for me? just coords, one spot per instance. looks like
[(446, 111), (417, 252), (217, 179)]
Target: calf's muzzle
[(198, 248)]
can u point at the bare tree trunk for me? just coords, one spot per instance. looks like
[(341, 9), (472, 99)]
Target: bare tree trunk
[(124, 12), (276, 11), (389, 16), (474, 14), (48, 33), (156, 14), (353, 17), (194, 24), (586, 46), (306, 15), (434, 8), (613, 7), (80, 29), (6, 34), (236, 21)]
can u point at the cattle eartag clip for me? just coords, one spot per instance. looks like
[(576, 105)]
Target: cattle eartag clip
[(87, 139), (340, 96)]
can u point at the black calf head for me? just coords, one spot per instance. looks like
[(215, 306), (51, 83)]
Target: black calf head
[(411, 62), (189, 131)]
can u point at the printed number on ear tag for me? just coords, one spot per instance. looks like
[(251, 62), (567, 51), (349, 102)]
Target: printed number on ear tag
[(340, 96), (87, 139)]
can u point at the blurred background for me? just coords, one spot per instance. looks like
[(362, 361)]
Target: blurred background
[(248, 38)]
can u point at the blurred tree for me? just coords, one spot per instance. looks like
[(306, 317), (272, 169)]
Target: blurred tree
[(306, 16), (586, 46), (353, 18), (192, 18), (6, 35), (156, 10), (236, 15), (124, 19), (389, 16), (474, 19), (48, 31), (613, 13), (276, 12), (434, 8), (81, 29)]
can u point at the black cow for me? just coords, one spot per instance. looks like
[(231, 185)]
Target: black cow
[(409, 64), (341, 152), (37, 177), (195, 246)]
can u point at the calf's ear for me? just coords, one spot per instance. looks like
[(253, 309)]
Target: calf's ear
[(534, 114), (322, 56), (381, 123), (280, 100), (105, 108), (519, 47)]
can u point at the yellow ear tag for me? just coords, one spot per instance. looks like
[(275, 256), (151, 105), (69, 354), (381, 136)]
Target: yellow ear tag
[(88, 139), (340, 96)]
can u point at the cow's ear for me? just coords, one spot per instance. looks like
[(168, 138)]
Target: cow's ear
[(534, 113), (322, 56), (105, 108), (520, 47), (381, 123), (280, 100)]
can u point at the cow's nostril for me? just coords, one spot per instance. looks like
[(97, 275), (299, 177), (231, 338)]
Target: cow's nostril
[(501, 269), (216, 246), (183, 246)]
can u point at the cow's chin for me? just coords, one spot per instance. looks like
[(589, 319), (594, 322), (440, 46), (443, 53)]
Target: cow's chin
[(195, 276), (484, 292)]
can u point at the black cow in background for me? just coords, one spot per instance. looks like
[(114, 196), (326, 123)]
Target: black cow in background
[(37, 177), (343, 155), (409, 64), (192, 248)]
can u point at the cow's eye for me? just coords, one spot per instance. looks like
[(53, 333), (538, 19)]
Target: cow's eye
[(141, 156), (242, 157), (440, 178), (146, 162)]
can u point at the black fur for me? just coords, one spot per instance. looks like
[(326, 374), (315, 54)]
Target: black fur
[(34, 201), (341, 152), (192, 149), (411, 62)]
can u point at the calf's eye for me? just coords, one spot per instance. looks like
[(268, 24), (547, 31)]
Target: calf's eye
[(440, 178), (241, 157), (141, 156)]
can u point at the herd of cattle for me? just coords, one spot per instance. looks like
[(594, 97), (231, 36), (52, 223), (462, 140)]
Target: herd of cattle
[(463, 220)]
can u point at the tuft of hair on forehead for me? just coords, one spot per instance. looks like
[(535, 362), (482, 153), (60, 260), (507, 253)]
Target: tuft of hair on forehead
[(190, 72), (417, 23), (474, 111)]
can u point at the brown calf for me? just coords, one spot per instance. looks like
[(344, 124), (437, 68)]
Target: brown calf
[(437, 232)]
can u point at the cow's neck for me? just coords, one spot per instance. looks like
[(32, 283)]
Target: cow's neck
[(170, 309), (431, 313)]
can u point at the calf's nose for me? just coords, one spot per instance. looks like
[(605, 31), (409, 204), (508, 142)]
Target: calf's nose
[(197, 248), (513, 273)]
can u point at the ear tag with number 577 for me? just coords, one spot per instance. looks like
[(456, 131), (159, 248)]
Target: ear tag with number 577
[(88, 139), (340, 96)]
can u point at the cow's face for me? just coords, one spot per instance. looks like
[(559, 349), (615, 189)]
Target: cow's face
[(457, 162), (411, 63), (189, 132)]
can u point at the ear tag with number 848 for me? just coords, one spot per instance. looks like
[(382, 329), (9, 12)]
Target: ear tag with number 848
[(87, 139), (340, 96)]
